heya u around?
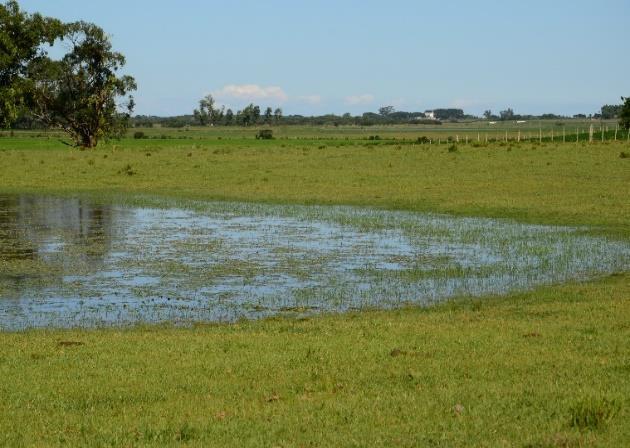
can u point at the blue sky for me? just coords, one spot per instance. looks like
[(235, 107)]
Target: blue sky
[(315, 57)]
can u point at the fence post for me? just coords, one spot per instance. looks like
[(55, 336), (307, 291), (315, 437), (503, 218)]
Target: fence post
[(590, 134), (564, 135)]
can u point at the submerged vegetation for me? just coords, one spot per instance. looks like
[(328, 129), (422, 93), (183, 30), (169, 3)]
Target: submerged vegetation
[(92, 265)]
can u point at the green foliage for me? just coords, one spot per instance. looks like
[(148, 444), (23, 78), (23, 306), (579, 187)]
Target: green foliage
[(22, 40), (277, 115), (249, 116), (207, 112), (609, 112), (449, 114), (79, 93), (268, 115), (264, 134), (624, 114), (507, 114)]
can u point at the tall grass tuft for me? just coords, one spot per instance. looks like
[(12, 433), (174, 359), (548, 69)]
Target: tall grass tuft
[(593, 413)]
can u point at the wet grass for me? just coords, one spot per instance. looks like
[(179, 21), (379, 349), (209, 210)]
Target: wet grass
[(547, 368)]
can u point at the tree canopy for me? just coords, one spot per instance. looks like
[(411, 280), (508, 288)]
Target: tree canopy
[(22, 40), (78, 93)]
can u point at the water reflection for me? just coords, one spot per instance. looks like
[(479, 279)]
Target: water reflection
[(73, 262)]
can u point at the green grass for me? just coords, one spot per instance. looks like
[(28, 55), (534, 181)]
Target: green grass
[(550, 368), (540, 183)]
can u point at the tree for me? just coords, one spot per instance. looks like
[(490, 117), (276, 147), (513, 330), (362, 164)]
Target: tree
[(268, 115), (248, 115), (624, 115), (22, 40), (386, 110), (277, 115), (79, 93), (255, 114), (206, 112), (229, 117), (507, 114), (217, 115), (449, 114), (609, 112), (487, 114)]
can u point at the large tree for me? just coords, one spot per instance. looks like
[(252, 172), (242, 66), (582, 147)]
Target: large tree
[(82, 93), (23, 38)]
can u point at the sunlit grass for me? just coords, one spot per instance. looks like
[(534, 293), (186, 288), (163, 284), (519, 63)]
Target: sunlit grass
[(547, 368)]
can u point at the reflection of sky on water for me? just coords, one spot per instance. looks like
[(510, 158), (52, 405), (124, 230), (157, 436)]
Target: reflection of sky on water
[(70, 262)]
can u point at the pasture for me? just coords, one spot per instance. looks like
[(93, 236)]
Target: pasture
[(543, 367)]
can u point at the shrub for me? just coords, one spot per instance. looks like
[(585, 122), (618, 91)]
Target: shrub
[(624, 155), (264, 134), (423, 140), (139, 135), (452, 148)]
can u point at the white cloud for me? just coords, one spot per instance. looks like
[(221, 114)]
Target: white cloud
[(356, 100), (251, 92), (310, 99)]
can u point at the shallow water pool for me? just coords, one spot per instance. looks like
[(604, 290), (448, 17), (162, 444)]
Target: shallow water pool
[(74, 262)]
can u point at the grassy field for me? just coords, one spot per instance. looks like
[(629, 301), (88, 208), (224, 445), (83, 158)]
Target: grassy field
[(549, 368)]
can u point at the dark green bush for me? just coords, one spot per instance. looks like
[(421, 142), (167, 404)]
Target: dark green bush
[(264, 134)]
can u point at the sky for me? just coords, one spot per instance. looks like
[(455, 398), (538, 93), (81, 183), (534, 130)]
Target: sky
[(325, 56)]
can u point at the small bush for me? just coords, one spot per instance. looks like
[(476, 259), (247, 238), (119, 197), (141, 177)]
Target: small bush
[(423, 140), (452, 148), (138, 135), (264, 134), (624, 155), (593, 414)]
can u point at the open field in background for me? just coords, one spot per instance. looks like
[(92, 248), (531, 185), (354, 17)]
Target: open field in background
[(472, 129), (549, 368)]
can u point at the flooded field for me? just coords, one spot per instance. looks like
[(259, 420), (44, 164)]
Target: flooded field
[(75, 262)]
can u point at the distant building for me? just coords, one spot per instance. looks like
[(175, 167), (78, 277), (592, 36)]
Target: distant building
[(429, 114)]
